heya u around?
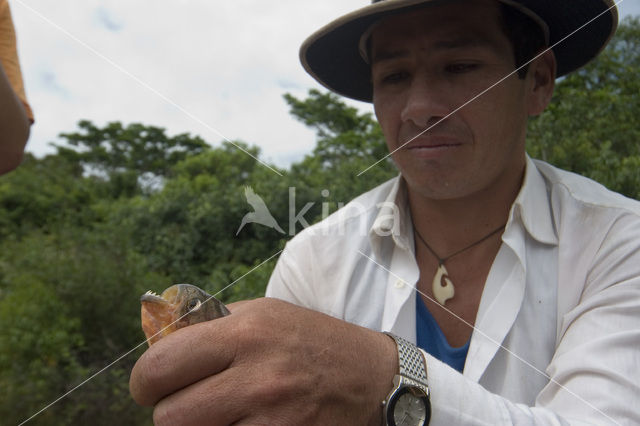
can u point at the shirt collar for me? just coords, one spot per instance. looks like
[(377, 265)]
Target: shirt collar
[(533, 206), (393, 219)]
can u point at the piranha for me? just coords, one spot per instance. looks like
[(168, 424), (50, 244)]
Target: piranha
[(178, 306)]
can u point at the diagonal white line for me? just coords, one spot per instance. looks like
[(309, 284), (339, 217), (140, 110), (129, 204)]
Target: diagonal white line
[(144, 84), (81, 384), (195, 118), (485, 91), (137, 346), (477, 330)]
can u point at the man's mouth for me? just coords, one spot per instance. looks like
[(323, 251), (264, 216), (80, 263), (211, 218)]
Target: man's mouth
[(431, 142)]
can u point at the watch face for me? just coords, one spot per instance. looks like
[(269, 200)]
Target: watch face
[(410, 407)]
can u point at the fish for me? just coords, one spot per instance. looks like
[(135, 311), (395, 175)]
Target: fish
[(176, 307)]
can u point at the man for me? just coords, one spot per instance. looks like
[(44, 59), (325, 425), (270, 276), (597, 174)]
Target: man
[(520, 281), (16, 117)]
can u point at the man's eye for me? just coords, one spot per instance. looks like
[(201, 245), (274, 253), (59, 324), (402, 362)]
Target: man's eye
[(461, 68), (395, 77)]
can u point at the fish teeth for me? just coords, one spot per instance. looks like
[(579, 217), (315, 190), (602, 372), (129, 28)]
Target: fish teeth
[(151, 293)]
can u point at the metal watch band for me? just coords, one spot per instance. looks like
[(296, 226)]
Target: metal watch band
[(410, 360)]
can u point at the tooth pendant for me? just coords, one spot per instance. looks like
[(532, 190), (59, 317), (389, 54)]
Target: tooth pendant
[(442, 286)]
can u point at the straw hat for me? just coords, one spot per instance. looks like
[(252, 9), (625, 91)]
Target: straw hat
[(332, 54)]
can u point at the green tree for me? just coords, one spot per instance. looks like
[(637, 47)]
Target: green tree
[(349, 143), (83, 234), (69, 307), (187, 231), (592, 125), (128, 155), (42, 193)]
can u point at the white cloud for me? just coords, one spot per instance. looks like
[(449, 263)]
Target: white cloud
[(227, 63)]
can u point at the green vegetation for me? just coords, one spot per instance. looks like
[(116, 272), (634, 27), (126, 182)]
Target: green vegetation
[(592, 126), (123, 209)]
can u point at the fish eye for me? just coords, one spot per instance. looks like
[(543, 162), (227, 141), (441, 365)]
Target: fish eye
[(193, 305)]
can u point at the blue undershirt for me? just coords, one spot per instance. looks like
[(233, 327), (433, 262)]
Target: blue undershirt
[(431, 339)]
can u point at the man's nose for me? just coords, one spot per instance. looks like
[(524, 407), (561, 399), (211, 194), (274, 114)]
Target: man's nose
[(425, 103)]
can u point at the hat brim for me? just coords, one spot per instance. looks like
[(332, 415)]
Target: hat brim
[(578, 31)]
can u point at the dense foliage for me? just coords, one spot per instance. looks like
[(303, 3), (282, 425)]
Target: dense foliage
[(123, 209), (593, 123)]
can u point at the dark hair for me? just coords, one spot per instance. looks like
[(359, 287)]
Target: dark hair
[(526, 36)]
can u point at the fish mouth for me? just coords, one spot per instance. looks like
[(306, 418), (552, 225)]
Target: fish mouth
[(158, 313), (152, 297), (170, 296)]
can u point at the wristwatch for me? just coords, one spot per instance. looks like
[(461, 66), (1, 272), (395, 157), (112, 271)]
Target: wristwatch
[(408, 402)]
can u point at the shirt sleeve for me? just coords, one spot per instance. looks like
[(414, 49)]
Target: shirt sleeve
[(288, 281), (9, 56), (456, 400)]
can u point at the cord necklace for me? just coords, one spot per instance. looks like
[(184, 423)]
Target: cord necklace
[(442, 286)]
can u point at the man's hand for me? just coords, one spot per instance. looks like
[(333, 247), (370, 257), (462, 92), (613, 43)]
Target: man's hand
[(269, 363)]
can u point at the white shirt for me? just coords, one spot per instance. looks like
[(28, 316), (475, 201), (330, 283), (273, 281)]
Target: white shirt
[(557, 334)]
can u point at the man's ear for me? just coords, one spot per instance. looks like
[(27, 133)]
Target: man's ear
[(542, 74)]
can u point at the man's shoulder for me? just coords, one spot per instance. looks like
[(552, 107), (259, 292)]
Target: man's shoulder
[(353, 219), (584, 190)]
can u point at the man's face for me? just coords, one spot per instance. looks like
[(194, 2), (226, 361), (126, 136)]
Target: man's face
[(425, 65)]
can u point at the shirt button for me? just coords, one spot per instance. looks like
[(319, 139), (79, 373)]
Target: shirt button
[(399, 284)]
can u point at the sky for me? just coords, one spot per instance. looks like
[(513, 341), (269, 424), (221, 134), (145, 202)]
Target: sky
[(213, 68)]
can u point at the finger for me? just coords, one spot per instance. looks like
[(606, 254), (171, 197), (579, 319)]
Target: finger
[(215, 401), (180, 359), (237, 305)]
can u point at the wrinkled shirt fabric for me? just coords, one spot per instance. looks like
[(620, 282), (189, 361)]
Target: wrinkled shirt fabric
[(557, 333)]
